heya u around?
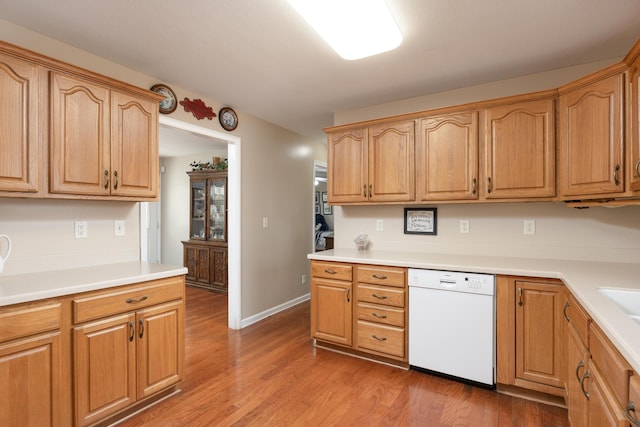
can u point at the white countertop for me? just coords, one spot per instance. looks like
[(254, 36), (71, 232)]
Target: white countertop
[(582, 278), (48, 284)]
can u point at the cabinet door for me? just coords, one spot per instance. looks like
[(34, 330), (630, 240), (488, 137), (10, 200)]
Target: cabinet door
[(134, 146), (105, 367), (198, 219), (634, 152), (20, 130), (576, 365), (347, 167), (447, 158), (331, 311), (217, 220), (79, 147), (591, 139), (603, 409), (30, 381), (160, 350), (218, 269), (391, 162), (539, 332), (519, 150)]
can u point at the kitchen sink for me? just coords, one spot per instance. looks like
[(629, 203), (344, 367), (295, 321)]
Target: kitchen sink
[(627, 299)]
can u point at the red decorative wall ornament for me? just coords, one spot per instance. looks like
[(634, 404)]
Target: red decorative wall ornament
[(198, 109)]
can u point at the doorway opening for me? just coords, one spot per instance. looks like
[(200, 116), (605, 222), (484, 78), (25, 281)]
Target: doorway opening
[(158, 245), (322, 212)]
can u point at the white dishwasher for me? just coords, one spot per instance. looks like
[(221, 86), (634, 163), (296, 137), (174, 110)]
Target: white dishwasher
[(452, 324)]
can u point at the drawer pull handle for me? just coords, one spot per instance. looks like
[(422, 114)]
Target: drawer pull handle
[(141, 323), (375, 276), (328, 271), (580, 365), (379, 316), (630, 412), (379, 296), (133, 301), (375, 337), (132, 328), (584, 377), (564, 311)]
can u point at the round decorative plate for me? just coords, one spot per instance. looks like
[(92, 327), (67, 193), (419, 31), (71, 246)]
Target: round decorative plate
[(228, 118), (169, 103)]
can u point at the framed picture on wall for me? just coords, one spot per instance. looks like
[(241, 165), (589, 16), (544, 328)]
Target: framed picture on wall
[(318, 200), (324, 197), (327, 209), (420, 221), (317, 209)]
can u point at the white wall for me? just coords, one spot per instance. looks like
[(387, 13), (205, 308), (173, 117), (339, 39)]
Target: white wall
[(496, 229), (42, 233)]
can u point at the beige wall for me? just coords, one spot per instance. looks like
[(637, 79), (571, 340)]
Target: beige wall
[(496, 229), (276, 180)]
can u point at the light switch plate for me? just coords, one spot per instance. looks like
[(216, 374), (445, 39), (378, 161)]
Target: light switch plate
[(118, 228), (379, 225), (464, 226)]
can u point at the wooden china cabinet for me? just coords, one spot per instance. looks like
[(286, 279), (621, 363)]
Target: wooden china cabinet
[(205, 253)]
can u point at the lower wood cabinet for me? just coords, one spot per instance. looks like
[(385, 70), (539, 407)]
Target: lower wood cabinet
[(82, 359), (30, 378), (132, 353), (207, 265), (370, 323), (529, 317)]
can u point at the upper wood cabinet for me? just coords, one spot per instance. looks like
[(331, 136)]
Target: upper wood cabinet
[(20, 125), (98, 141), (372, 164), (447, 157), (519, 150), (591, 137), (103, 142), (634, 141)]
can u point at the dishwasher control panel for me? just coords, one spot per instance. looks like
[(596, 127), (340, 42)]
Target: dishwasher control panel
[(476, 283)]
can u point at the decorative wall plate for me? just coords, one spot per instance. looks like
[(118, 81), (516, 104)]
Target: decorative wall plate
[(169, 103), (228, 118)]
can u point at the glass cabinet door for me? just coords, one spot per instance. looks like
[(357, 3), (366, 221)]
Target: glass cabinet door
[(217, 209), (198, 218)]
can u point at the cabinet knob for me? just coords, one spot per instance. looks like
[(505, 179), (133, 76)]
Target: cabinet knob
[(141, 323), (585, 392), (473, 186), (115, 176), (132, 330), (564, 311), (616, 178), (489, 185), (630, 412), (106, 179)]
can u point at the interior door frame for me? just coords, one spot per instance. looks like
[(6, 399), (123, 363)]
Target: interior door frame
[(233, 222)]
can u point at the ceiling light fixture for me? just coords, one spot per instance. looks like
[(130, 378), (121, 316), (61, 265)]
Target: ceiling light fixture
[(355, 29)]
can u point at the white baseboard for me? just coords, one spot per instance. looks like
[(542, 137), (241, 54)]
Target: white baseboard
[(270, 312)]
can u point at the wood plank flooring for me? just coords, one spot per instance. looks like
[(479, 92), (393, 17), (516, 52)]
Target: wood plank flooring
[(269, 374)]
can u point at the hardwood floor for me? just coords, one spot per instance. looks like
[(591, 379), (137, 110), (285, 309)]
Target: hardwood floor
[(269, 374)]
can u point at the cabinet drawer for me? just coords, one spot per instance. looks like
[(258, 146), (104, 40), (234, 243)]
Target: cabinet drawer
[(28, 319), (380, 295), (331, 270), (380, 314), (578, 319), (612, 365), (381, 338), (96, 305), (388, 276)]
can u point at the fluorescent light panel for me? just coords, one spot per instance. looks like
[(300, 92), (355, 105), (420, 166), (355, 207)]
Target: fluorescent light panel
[(355, 29)]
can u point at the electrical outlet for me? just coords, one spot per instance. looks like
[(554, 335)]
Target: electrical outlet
[(304, 279), (464, 226), (118, 228), (81, 229), (529, 226), (379, 225), (265, 222)]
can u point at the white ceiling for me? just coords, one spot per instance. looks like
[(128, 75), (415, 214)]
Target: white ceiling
[(261, 58)]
